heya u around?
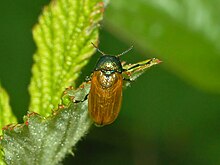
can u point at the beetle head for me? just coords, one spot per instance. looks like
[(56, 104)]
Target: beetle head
[(109, 64)]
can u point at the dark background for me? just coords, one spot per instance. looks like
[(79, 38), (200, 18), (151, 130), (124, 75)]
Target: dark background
[(165, 118)]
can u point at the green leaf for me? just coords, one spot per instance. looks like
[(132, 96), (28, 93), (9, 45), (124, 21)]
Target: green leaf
[(133, 71), (63, 36), (185, 34), (46, 141), (1, 157), (6, 116)]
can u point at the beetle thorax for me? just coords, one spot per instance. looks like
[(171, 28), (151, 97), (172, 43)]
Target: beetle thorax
[(105, 80)]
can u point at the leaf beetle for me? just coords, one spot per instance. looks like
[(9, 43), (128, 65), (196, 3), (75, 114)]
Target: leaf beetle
[(105, 96)]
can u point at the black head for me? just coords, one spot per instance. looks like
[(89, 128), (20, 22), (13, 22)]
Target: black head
[(109, 63)]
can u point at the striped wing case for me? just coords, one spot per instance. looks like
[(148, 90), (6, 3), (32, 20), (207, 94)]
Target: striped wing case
[(105, 97)]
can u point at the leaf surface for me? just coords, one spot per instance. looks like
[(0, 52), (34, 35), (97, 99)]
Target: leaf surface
[(63, 37)]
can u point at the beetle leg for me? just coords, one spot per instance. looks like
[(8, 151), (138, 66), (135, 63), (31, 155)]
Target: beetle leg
[(80, 101)]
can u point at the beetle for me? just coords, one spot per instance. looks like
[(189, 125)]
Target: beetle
[(105, 96)]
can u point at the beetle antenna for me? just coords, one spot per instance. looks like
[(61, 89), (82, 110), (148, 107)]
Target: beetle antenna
[(126, 51), (98, 49)]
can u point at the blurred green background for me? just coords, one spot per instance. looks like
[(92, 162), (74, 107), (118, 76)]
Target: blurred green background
[(171, 114)]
